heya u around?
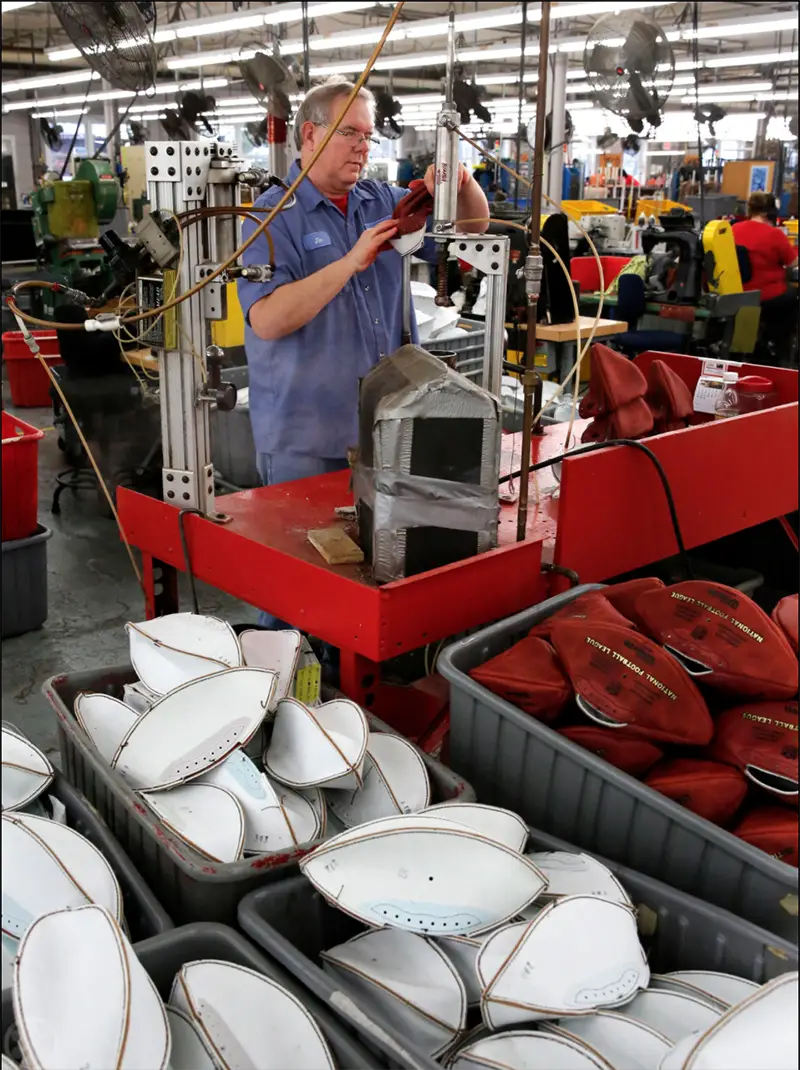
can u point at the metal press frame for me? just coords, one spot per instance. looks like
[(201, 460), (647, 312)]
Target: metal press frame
[(181, 176), (487, 253)]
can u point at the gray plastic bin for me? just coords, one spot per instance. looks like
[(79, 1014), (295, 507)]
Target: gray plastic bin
[(515, 761), (294, 923), (469, 349), (233, 451), (25, 583), (190, 887), (162, 957), (144, 915)]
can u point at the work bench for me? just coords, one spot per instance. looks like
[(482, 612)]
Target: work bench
[(560, 340), (608, 516)]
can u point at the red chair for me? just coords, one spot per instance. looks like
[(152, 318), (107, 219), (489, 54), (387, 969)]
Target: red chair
[(584, 270)]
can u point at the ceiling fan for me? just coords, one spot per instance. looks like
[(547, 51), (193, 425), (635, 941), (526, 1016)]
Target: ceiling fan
[(271, 81), (386, 108), (114, 39), (51, 132), (633, 78)]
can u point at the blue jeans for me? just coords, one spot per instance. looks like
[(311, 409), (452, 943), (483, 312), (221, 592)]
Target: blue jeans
[(285, 468)]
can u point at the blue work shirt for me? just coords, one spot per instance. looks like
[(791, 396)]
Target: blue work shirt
[(304, 387)]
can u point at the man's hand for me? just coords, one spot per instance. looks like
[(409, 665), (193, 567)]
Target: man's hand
[(363, 253), (430, 178)]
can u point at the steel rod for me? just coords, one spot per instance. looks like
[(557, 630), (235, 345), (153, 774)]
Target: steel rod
[(518, 164), (531, 381)]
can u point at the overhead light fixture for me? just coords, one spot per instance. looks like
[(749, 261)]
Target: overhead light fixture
[(509, 16), (743, 98), (114, 94), (580, 11), (753, 59), (686, 79), (48, 80), (251, 19), (59, 114), (734, 87), (15, 5), (232, 24), (345, 40)]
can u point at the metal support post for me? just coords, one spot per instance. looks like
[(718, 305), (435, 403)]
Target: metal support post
[(110, 116), (446, 188), (558, 127), (489, 253), (531, 381), (177, 175)]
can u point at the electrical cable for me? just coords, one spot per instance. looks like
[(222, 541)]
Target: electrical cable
[(23, 318), (116, 127), (696, 62), (101, 482), (182, 514), (631, 443), (77, 128), (580, 351), (595, 254), (193, 290), (161, 314)]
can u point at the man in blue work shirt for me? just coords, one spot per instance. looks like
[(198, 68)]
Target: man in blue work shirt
[(333, 307)]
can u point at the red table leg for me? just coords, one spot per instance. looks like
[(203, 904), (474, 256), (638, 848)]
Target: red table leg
[(359, 678), (160, 587)]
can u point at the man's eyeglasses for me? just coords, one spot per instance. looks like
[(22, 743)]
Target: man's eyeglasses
[(354, 137)]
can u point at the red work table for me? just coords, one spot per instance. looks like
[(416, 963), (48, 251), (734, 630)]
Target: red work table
[(608, 517)]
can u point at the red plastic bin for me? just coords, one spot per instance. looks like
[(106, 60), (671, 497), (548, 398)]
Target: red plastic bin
[(29, 382), (20, 491)]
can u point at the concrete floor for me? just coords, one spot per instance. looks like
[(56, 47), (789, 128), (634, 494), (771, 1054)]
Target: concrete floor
[(92, 593)]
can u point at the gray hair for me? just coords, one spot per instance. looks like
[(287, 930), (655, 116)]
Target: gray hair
[(316, 104)]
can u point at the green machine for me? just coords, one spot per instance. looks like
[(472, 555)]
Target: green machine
[(67, 217)]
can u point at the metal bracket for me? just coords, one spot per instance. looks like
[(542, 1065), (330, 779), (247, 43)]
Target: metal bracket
[(223, 169), (162, 161), (195, 162), (181, 489), (215, 294), (488, 254)]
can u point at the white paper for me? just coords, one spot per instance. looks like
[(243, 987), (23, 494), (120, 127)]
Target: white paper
[(707, 393)]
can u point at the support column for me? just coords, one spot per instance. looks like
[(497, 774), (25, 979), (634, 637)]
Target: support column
[(558, 127), (760, 142), (110, 117)]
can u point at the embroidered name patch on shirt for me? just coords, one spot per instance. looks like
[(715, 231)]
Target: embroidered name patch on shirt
[(316, 240)]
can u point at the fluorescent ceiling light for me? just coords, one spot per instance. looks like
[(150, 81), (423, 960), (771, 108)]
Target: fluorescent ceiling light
[(205, 59), (734, 28), (230, 25), (580, 11), (743, 98), (15, 5), (115, 94), (734, 87), (344, 40), (510, 16), (48, 80), (251, 19), (59, 114), (755, 59), (685, 79)]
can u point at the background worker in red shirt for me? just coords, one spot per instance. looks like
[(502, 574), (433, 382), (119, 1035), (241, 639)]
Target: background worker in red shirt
[(770, 253)]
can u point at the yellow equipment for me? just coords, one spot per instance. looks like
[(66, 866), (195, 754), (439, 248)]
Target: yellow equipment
[(230, 331), (575, 209), (718, 240), (658, 208)]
